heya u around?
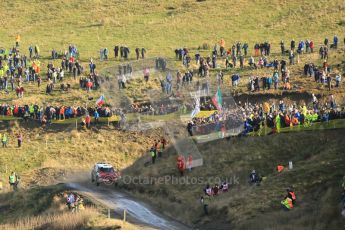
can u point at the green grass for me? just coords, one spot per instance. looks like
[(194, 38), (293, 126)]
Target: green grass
[(160, 27)]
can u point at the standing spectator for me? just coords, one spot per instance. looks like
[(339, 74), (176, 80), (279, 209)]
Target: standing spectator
[(146, 74), (293, 45), (105, 53), (245, 49), (335, 42), (116, 51), (137, 53), (92, 66), (338, 80), (282, 47), (143, 51), (153, 155), (275, 79), (241, 61), (269, 82), (19, 139), (329, 82), (96, 116), (205, 202), (88, 121), (311, 46), (4, 140), (325, 42)]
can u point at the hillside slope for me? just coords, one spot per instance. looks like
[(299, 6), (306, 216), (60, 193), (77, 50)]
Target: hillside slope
[(161, 26), (318, 160)]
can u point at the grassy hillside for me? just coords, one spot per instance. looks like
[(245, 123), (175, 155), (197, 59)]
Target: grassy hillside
[(160, 26), (316, 178), (47, 154)]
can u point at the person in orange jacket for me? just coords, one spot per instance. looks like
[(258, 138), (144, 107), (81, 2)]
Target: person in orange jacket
[(291, 194)]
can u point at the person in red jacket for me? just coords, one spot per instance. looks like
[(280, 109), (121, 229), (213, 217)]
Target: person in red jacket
[(88, 121), (311, 45), (180, 165), (15, 110)]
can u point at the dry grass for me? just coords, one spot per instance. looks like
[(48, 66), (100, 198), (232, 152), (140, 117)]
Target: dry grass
[(66, 221), (45, 208), (316, 179), (86, 219), (46, 156)]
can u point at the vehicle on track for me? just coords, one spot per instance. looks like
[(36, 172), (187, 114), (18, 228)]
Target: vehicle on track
[(104, 173)]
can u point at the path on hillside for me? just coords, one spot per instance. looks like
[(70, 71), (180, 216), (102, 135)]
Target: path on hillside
[(137, 211)]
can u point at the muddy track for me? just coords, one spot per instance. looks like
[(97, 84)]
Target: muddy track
[(138, 212)]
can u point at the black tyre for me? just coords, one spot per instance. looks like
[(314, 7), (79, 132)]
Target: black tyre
[(97, 182)]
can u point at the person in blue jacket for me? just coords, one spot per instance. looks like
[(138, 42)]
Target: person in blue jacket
[(96, 116)]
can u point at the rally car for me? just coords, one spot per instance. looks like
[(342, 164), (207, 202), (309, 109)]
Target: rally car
[(104, 173)]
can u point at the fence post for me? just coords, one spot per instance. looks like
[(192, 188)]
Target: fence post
[(108, 213), (124, 216)]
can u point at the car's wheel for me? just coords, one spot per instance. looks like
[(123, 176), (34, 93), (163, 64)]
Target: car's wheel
[(92, 180), (97, 183)]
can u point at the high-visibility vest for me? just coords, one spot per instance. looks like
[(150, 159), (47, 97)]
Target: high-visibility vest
[(31, 109), (287, 203), (4, 138), (304, 110), (12, 179), (152, 153)]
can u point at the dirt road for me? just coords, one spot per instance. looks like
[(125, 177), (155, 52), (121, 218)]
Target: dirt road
[(138, 212)]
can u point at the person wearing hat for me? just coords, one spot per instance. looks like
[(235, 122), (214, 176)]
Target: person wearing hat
[(291, 195), (254, 177)]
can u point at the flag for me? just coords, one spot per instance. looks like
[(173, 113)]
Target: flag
[(100, 101), (218, 100)]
